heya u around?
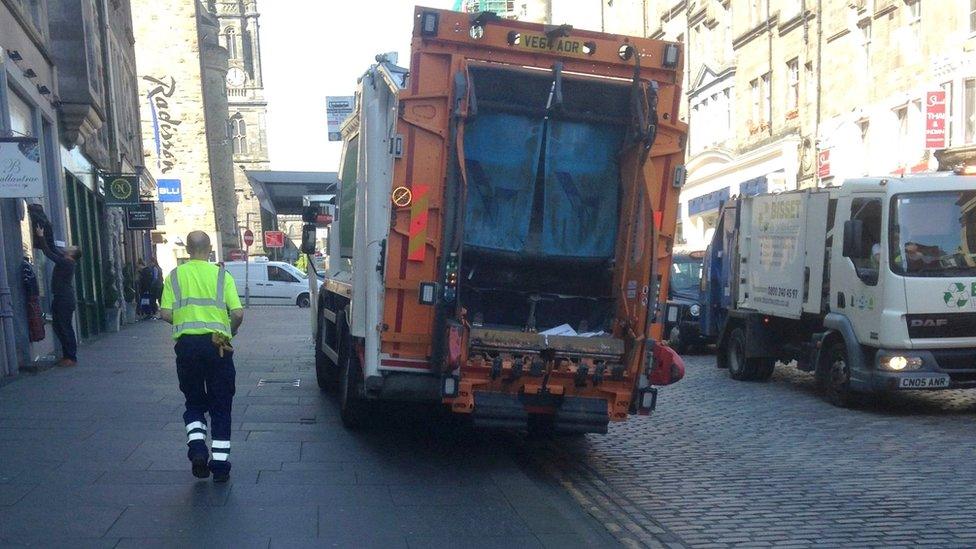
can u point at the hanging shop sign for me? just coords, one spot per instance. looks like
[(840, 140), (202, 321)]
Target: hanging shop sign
[(121, 189), (170, 190), (823, 163), (935, 119), (20, 168), (139, 217)]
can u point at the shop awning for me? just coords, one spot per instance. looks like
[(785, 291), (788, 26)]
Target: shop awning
[(754, 186), (281, 192), (708, 202)]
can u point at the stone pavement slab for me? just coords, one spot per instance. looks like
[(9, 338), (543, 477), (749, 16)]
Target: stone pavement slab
[(95, 456)]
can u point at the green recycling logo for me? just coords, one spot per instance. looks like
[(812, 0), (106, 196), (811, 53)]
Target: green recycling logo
[(956, 295)]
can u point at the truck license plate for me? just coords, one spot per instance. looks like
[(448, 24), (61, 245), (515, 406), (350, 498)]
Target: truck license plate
[(927, 382)]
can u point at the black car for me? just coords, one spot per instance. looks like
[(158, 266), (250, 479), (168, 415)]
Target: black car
[(683, 312)]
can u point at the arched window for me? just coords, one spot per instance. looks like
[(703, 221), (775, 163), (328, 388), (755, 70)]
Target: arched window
[(230, 34), (237, 129)]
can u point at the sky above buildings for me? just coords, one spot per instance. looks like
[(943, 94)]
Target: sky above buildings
[(316, 48)]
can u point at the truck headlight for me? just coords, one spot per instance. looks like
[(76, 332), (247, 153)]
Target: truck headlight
[(898, 363), (694, 310)]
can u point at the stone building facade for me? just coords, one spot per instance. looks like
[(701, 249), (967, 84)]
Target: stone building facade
[(67, 79), (183, 106), (247, 109), (787, 94)]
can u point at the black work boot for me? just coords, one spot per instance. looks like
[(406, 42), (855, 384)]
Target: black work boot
[(200, 468)]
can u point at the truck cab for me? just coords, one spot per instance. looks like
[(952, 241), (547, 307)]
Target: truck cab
[(903, 281)]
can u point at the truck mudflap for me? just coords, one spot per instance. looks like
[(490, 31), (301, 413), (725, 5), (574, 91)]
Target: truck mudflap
[(569, 414)]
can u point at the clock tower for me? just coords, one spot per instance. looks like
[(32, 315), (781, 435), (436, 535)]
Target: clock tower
[(247, 108)]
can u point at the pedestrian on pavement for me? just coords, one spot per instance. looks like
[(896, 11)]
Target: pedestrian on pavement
[(62, 295), (151, 287), (202, 304)]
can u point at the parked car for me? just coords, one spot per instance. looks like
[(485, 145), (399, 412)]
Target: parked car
[(684, 308), (271, 282)]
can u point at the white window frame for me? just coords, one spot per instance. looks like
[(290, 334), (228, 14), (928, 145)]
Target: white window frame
[(793, 84), (968, 111), (767, 84)]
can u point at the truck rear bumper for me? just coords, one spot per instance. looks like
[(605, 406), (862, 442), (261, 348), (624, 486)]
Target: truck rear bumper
[(511, 411)]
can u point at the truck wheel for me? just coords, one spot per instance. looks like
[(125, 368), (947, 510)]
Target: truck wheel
[(676, 342), (352, 406), (326, 372), (764, 368), (836, 377), (740, 368)]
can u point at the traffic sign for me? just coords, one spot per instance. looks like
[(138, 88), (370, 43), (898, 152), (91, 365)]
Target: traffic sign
[(274, 239), (248, 238)]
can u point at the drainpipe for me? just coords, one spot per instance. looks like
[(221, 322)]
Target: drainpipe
[(8, 338), (9, 341), (816, 123)]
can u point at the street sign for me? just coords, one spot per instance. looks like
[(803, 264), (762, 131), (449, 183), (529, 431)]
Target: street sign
[(170, 190), (337, 109), (140, 217), (121, 189), (935, 119), (20, 168), (248, 238), (274, 239)]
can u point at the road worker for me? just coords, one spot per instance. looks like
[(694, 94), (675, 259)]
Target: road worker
[(200, 300)]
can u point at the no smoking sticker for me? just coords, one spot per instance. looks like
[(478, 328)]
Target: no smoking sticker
[(402, 197)]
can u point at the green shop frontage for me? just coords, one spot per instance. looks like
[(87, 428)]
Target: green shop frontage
[(106, 275)]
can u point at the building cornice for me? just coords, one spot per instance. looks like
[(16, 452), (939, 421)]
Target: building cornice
[(754, 33), (794, 22), (745, 158), (838, 35)]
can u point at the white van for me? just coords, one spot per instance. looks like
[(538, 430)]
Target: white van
[(271, 282)]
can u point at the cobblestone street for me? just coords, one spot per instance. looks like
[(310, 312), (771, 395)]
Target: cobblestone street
[(725, 463)]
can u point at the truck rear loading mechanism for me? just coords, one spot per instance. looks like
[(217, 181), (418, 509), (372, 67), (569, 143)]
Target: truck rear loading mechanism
[(504, 224)]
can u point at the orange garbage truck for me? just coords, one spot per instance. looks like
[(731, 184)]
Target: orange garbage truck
[(503, 228)]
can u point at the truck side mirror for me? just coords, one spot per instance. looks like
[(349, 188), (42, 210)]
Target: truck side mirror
[(308, 239), (854, 247)]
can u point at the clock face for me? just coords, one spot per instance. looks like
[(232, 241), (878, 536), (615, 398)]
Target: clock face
[(235, 77)]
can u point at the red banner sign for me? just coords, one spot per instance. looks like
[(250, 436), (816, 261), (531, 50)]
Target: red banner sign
[(823, 163), (935, 119)]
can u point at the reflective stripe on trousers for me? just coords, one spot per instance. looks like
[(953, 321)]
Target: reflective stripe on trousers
[(196, 430), (220, 450)]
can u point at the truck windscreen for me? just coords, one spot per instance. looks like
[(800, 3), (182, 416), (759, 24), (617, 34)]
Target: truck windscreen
[(933, 234)]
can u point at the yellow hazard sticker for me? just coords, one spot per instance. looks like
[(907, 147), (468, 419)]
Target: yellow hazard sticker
[(402, 197)]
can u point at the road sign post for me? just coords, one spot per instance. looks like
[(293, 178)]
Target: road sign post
[(248, 240)]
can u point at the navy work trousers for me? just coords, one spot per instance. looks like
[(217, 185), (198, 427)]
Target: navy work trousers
[(62, 313), (207, 382)]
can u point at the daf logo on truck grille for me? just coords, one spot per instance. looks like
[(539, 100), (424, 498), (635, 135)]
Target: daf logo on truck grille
[(929, 322)]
